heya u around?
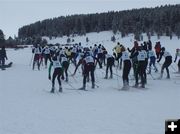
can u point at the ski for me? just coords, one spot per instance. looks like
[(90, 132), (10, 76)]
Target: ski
[(6, 66), (139, 87)]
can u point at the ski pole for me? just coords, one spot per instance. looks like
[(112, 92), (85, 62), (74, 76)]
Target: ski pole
[(72, 75), (96, 85), (173, 68), (31, 59), (97, 79), (116, 74), (152, 76), (73, 88), (117, 80)]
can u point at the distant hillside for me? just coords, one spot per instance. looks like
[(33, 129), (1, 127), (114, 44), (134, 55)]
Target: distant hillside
[(160, 20)]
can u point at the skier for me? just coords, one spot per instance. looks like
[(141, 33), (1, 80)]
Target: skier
[(52, 49), (141, 68), (65, 65), (167, 62), (100, 56), (118, 49), (95, 50), (126, 69), (73, 54), (157, 49), (144, 49), (88, 65), (177, 55), (37, 50), (3, 56), (58, 71), (134, 58), (151, 56), (68, 53), (149, 45), (47, 55), (104, 55), (110, 63)]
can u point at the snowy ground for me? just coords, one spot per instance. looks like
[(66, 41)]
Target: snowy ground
[(26, 107)]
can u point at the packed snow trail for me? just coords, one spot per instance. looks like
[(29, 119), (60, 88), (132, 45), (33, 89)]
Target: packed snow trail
[(26, 106)]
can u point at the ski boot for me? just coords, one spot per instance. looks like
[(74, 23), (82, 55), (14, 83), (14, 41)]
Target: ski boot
[(136, 85), (33, 66), (106, 76), (66, 79), (60, 89), (62, 78), (83, 88), (143, 86), (39, 67), (52, 90), (160, 77), (125, 86), (149, 72), (87, 79), (168, 76), (93, 85), (111, 76)]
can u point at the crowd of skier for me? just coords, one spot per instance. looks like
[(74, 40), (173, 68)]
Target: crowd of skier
[(141, 58)]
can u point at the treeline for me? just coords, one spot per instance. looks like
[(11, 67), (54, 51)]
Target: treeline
[(15, 42), (163, 20), (10, 42)]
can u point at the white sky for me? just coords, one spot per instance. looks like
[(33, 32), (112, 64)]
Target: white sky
[(17, 13)]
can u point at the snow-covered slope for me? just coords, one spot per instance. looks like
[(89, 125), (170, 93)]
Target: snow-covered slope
[(104, 38), (27, 107)]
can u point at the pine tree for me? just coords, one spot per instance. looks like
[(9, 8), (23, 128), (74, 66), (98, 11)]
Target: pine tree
[(2, 40)]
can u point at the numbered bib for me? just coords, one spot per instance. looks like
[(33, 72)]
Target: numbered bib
[(63, 59), (145, 53), (37, 51), (47, 51), (125, 56), (56, 64), (89, 59), (141, 56), (151, 53), (166, 54)]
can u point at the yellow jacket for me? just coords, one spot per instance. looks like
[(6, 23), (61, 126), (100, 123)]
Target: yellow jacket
[(117, 49), (68, 53)]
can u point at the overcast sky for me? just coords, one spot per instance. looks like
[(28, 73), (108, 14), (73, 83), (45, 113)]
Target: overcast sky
[(17, 13)]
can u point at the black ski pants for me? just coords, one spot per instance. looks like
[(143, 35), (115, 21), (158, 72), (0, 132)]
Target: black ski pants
[(110, 63), (166, 64), (57, 73), (126, 70), (88, 68)]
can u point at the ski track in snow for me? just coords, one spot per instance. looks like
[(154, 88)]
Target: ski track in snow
[(27, 107)]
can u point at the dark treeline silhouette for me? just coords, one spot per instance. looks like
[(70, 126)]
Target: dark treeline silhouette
[(163, 20), (10, 42)]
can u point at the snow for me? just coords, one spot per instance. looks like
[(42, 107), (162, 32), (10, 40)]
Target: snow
[(26, 107)]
